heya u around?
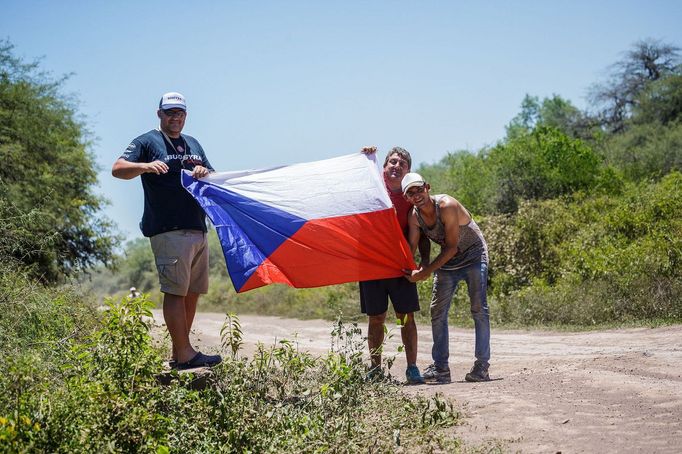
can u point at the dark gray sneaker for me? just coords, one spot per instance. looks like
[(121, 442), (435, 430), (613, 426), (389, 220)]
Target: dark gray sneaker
[(435, 374), (478, 373), (375, 373), (200, 360)]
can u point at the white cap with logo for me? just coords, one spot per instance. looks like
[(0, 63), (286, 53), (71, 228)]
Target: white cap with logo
[(172, 100), (411, 179)]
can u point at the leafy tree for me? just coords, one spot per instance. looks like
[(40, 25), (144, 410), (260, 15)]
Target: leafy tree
[(464, 175), (648, 61), (138, 269), (542, 165), (645, 151), (555, 112), (661, 101), (525, 120), (47, 172)]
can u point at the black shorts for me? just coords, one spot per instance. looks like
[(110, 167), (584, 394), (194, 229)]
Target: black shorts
[(374, 296)]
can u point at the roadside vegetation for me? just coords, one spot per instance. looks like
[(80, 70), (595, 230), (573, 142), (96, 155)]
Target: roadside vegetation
[(86, 386)]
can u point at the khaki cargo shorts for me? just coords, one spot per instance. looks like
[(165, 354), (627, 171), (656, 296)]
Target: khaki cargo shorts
[(182, 261)]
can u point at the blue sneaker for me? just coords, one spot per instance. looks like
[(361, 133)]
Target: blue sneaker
[(413, 376)]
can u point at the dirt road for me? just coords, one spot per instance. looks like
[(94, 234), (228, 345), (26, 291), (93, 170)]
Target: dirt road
[(608, 391)]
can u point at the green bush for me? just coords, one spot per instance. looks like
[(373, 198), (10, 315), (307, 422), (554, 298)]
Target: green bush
[(539, 164), (645, 151), (592, 259), (106, 397), (544, 164), (38, 324)]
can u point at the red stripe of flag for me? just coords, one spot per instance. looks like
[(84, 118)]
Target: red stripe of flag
[(337, 250)]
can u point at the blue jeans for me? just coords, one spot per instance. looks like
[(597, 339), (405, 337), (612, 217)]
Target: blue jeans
[(444, 287)]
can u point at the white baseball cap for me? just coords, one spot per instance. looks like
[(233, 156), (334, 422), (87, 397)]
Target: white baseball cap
[(172, 100), (411, 179)]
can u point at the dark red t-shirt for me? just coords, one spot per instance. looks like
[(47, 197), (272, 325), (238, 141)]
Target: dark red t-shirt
[(402, 207)]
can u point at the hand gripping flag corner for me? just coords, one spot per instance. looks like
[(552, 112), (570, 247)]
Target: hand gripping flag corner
[(304, 225)]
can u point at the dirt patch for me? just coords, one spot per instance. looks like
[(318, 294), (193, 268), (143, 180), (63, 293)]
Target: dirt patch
[(607, 391)]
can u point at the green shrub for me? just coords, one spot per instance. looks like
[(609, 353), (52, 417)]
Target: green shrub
[(645, 151), (592, 259), (106, 397)]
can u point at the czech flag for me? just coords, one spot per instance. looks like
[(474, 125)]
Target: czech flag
[(305, 225)]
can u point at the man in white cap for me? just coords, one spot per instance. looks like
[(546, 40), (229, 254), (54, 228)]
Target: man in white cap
[(463, 256), (173, 221)]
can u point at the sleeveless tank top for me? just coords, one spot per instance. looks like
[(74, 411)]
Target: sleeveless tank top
[(471, 247)]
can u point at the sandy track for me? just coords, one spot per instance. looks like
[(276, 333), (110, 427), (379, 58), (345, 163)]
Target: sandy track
[(607, 391)]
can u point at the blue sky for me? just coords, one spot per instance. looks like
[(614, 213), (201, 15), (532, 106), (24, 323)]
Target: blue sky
[(277, 82)]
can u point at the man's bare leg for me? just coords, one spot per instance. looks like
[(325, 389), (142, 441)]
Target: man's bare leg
[(190, 309), (408, 334), (175, 316), (375, 338)]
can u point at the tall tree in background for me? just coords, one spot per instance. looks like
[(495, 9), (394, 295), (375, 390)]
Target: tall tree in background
[(555, 112), (661, 101), (544, 164), (51, 221), (648, 61)]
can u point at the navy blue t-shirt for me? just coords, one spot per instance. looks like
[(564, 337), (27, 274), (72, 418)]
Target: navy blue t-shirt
[(167, 205)]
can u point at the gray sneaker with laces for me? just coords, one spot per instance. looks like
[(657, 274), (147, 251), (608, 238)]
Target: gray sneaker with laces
[(435, 374), (478, 373)]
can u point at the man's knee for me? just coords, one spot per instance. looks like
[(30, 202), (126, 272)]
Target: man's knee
[(377, 319), (171, 299), (405, 319), (479, 308), (439, 309)]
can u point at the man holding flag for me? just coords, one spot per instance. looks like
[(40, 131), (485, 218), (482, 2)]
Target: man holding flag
[(374, 294), (173, 221)]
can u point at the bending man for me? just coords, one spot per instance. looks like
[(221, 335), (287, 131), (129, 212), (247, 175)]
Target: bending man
[(463, 256)]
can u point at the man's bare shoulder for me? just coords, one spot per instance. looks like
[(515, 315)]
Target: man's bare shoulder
[(412, 214), (452, 211), (447, 201)]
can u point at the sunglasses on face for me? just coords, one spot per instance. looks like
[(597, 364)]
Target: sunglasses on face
[(174, 113)]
